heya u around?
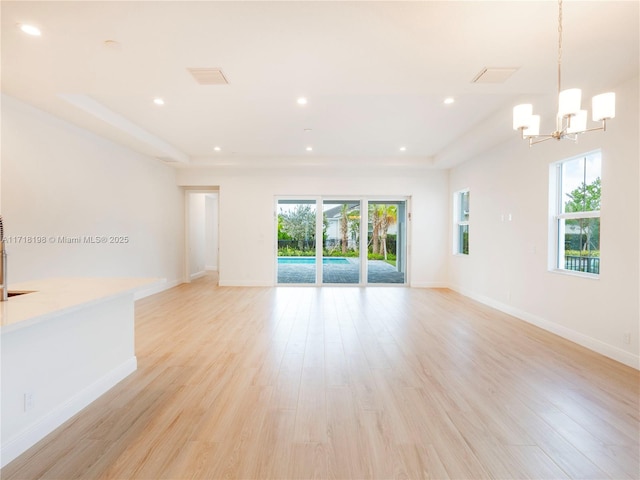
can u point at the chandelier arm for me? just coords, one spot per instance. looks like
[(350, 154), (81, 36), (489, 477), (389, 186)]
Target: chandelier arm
[(547, 136), (595, 129), (541, 138)]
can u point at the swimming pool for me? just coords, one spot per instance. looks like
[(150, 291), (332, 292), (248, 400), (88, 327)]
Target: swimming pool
[(311, 260)]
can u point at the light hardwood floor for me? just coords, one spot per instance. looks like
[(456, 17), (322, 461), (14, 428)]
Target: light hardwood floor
[(350, 383)]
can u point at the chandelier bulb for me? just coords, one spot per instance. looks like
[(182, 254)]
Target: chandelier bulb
[(522, 116), (603, 106), (534, 127), (569, 101)]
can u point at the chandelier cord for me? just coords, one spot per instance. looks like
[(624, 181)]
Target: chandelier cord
[(559, 45)]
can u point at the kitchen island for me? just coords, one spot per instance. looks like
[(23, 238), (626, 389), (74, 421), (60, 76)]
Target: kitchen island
[(64, 344)]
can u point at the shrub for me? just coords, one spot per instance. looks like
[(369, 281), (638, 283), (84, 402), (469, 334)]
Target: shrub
[(338, 253), (583, 253), (294, 252), (380, 256)]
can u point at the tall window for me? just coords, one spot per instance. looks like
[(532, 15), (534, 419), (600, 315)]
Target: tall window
[(461, 222), (575, 207)]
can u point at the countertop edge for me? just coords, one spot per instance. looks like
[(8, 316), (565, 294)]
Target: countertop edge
[(43, 287)]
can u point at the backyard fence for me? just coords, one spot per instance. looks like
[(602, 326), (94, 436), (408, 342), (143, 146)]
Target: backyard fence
[(582, 264)]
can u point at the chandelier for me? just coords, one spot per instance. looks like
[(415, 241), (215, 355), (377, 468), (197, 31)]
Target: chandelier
[(570, 120)]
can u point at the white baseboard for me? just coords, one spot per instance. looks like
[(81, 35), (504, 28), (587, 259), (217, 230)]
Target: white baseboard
[(429, 285), (211, 268), (156, 288), (586, 341), (56, 417), (199, 274), (232, 283)]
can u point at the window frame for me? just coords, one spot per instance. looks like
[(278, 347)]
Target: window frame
[(459, 222), (557, 216)]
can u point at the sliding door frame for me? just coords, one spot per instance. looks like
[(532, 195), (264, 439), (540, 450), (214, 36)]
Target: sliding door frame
[(364, 201)]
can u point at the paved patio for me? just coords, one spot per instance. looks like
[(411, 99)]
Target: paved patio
[(379, 272)]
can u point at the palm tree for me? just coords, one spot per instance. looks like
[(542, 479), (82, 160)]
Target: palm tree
[(374, 214), (354, 226), (344, 227), (388, 216)]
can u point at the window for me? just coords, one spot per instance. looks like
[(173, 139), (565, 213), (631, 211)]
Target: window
[(575, 209), (461, 222)]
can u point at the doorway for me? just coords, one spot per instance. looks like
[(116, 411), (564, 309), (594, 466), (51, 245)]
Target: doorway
[(201, 233)]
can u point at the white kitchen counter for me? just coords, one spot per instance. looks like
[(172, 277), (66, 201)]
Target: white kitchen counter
[(56, 296), (63, 346)]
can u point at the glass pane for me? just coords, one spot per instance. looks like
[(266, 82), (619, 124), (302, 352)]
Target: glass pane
[(463, 239), (464, 207), (581, 249), (341, 241), (296, 241), (581, 184), (386, 227)]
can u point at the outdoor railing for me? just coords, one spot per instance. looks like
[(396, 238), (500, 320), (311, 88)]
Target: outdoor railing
[(582, 264)]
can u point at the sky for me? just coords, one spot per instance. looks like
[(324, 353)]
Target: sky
[(585, 168)]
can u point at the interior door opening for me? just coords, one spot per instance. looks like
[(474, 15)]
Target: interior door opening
[(201, 233)]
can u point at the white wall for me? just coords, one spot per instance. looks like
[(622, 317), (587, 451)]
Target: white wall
[(211, 232), (247, 208), (508, 262), (60, 180)]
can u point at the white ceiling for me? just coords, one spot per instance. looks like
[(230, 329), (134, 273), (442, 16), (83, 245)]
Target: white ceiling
[(375, 73)]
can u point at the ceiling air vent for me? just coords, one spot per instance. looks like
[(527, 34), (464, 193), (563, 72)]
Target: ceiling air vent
[(208, 76), (494, 75)]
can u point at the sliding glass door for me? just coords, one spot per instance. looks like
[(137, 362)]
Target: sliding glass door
[(341, 241), (358, 241), (296, 241), (386, 240)]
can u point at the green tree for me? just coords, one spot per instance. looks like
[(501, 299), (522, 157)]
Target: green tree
[(300, 225), (388, 216), (282, 235), (586, 198), (354, 225), (381, 217)]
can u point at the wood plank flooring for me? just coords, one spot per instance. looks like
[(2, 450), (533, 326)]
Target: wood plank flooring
[(349, 383)]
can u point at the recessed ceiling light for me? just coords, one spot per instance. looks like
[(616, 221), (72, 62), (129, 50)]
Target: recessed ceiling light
[(307, 130), (403, 149), (158, 101), (217, 149), (301, 101), (449, 100), (309, 149), (30, 29)]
